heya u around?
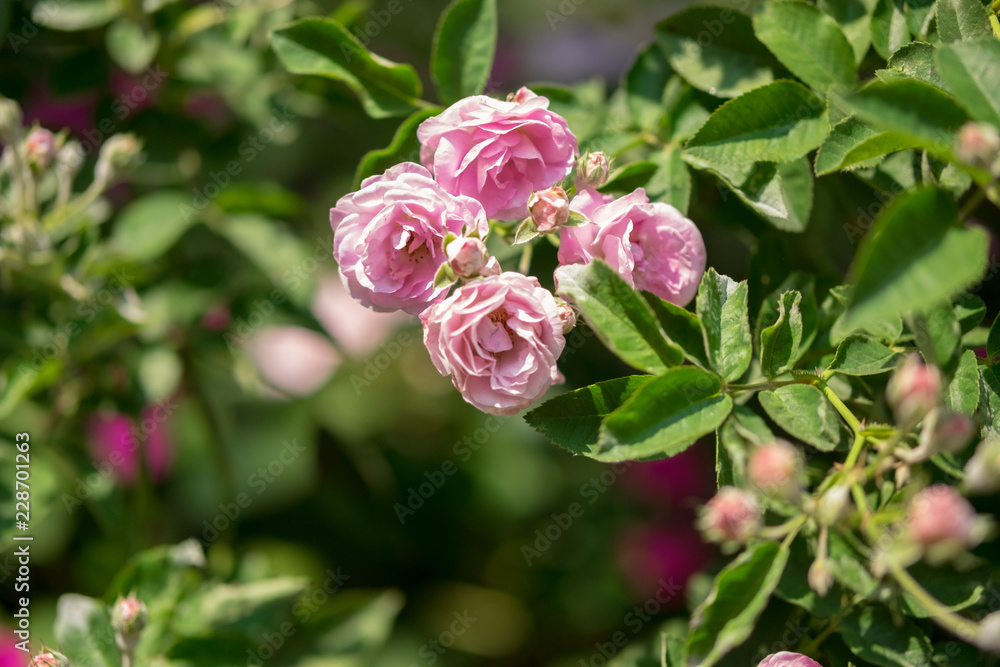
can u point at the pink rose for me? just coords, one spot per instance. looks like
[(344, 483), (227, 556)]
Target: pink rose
[(295, 360), (499, 338), (388, 237), (549, 209), (649, 244), (788, 659), (939, 513), (112, 444), (498, 152)]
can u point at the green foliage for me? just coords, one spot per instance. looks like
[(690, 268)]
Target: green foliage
[(462, 52)]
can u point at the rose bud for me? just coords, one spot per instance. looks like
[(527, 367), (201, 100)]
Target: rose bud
[(982, 472), (549, 209), (939, 515), (566, 314), (732, 515), (988, 637), (467, 256), (128, 618), (776, 470), (10, 120), (914, 390), (820, 578), (50, 659), (118, 154), (40, 148), (834, 505), (978, 145), (951, 433), (788, 659), (592, 170)]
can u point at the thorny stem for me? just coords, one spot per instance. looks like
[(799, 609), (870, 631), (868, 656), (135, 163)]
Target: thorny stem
[(848, 416)]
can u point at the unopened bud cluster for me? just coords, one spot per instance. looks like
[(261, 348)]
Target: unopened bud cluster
[(128, 618)]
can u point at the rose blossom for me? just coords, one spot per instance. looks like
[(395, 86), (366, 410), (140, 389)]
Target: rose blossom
[(498, 152), (388, 237), (913, 390), (938, 514), (775, 469), (549, 209), (788, 659), (649, 244), (499, 338), (732, 515)]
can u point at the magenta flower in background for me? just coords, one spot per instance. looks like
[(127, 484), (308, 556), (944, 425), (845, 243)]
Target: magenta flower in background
[(654, 557), (112, 444), (649, 244), (358, 330), (498, 338), (159, 446), (9, 655), (498, 152), (295, 360), (788, 659), (388, 237), (681, 481)]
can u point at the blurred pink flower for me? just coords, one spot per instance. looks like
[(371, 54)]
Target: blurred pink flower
[(686, 479), (788, 659), (159, 447), (650, 556), (217, 317), (358, 330), (9, 655), (112, 444), (295, 360), (75, 112)]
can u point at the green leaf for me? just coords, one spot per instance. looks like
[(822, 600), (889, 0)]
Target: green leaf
[(796, 185), (876, 636), (249, 609), (757, 185), (854, 18), (803, 283), (621, 318), (671, 182), (681, 326), (78, 15), (526, 231), (957, 590), (794, 586), (889, 28), (993, 340), (861, 355), (969, 311), (722, 309), (572, 420), (914, 257), (803, 411), (715, 51), (325, 48), (630, 176), (778, 122), (130, 45), (989, 402), (645, 85), (463, 47), (971, 70), (738, 597), (664, 416), (915, 60), (852, 144), (781, 343), (848, 569), (785, 26), (937, 334), (83, 632), (959, 20), (274, 250), (404, 147), (912, 109), (151, 225)]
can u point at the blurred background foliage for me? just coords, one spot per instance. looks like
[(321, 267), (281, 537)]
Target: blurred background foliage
[(194, 305)]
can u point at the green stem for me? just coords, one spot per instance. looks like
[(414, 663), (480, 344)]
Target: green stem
[(958, 625), (811, 647), (525, 262), (974, 201), (855, 453), (767, 386), (848, 416)]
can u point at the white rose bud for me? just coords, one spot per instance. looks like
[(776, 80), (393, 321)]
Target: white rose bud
[(592, 170), (820, 577), (982, 472), (117, 155), (834, 504), (467, 256), (978, 145), (10, 120), (566, 314), (549, 209), (988, 637)]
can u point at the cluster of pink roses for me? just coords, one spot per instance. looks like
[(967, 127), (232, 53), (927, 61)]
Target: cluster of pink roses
[(406, 235)]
